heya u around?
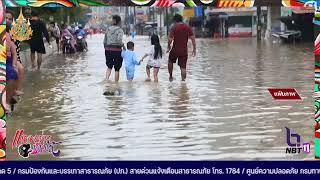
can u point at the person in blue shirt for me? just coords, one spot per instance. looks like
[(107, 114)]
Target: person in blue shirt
[(133, 34), (130, 60), (83, 34)]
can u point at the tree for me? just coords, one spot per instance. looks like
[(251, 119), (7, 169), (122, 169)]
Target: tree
[(78, 14)]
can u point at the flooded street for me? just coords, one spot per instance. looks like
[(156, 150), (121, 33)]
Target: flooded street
[(222, 111)]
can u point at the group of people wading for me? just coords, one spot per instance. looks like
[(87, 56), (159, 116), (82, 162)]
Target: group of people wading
[(116, 52)]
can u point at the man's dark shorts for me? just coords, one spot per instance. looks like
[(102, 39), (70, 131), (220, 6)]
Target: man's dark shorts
[(113, 59), (37, 45), (182, 60)]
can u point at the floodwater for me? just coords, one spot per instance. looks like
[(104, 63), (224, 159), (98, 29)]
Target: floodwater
[(223, 111)]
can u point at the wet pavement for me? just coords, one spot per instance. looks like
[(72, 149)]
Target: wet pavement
[(222, 111)]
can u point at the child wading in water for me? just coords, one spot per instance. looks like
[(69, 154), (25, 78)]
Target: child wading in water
[(130, 59), (155, 56)]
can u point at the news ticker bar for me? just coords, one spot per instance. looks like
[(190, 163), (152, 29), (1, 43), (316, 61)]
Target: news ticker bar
[(160, 168)]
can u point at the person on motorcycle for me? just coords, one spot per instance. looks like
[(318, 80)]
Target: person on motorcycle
[(76, 30), (55, 33), (83, 34), (72, 30), (66, 32)]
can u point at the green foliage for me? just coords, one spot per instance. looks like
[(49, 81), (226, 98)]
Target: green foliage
[(79, 14)]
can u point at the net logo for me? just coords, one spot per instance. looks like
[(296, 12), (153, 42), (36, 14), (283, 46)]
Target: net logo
[(294, 143)]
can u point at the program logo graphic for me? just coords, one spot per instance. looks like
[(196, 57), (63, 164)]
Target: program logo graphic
[(294, 143), (34, 145)]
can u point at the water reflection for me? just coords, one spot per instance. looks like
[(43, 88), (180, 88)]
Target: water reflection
[(179, 103)]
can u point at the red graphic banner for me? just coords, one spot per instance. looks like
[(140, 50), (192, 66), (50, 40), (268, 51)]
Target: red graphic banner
[(284, 94)]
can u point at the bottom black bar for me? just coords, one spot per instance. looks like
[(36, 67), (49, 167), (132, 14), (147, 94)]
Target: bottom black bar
[(173, 169)]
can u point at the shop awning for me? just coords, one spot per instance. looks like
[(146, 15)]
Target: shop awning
[(303, 10), (223, 15), (317, 46)]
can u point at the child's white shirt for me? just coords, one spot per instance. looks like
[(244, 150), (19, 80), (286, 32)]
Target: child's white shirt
[(153, 62)]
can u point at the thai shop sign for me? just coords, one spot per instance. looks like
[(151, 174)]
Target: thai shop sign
[(198, 11), (188, 13)]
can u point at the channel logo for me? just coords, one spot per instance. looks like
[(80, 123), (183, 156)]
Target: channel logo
[(294, 143)]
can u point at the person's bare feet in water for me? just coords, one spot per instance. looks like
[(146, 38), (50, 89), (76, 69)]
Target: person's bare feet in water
[(148, 80), (7, 108), (108, 81), (170, 79), (33, 69), (18, 93)]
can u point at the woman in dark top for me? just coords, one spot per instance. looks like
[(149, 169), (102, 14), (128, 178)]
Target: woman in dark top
[(36, 42)]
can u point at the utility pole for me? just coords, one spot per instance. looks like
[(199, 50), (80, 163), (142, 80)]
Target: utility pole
[(68, 19), (167, 21), (154, 14), (126, 19), (134, 15), (203, 20), (259, 23), (161, 21)]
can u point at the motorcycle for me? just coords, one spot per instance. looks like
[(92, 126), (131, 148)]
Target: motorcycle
[(81, 44), (66, 45)]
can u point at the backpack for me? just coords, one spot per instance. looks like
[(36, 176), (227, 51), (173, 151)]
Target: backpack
[(113, 38)]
